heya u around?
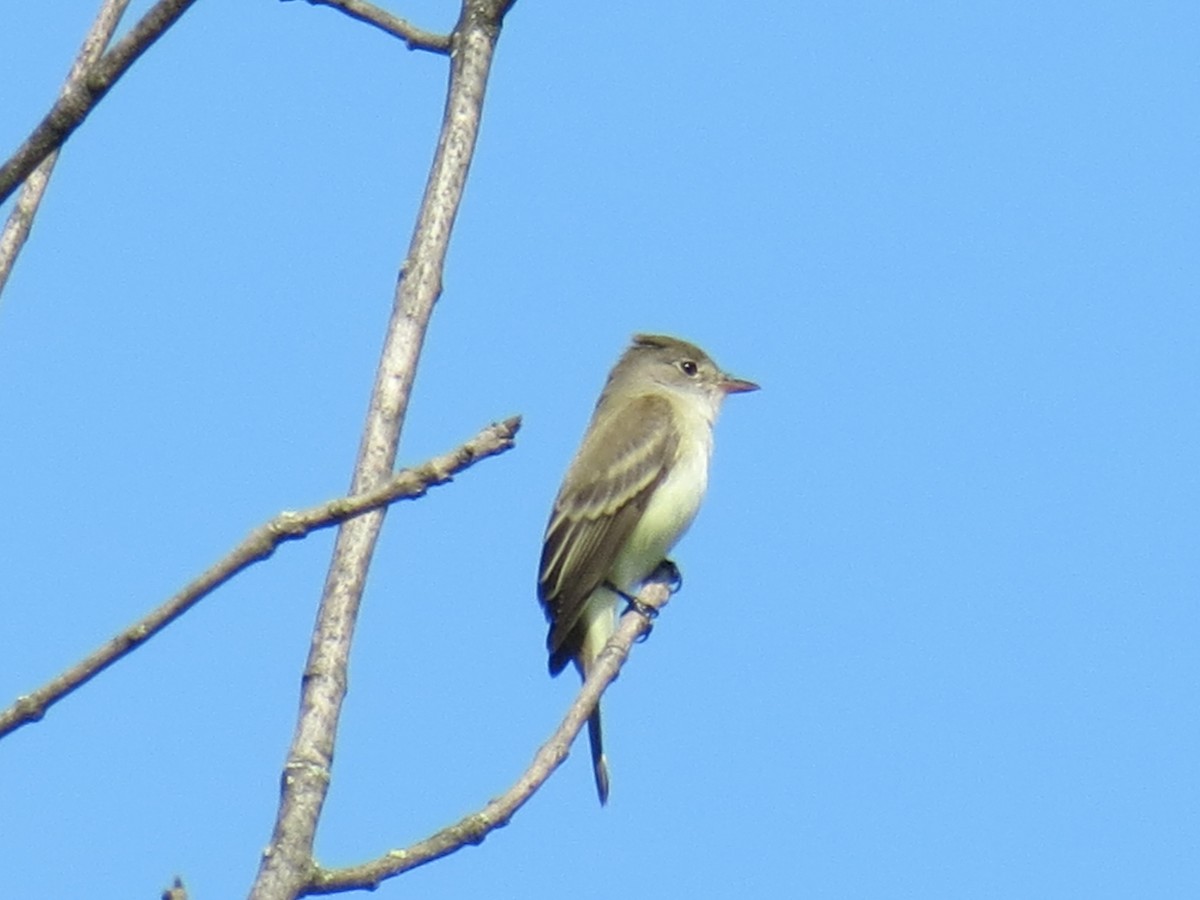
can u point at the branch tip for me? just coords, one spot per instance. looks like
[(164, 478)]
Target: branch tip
[(368, 13), (260, 544)]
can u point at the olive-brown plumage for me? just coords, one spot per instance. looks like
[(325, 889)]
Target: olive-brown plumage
[(630, 493)]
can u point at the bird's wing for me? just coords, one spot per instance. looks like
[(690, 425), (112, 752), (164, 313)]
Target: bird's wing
[(626, 458)]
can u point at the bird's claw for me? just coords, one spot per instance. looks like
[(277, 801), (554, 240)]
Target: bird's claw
[(647, 612), (650, 612), (668, 573), (633, 604)]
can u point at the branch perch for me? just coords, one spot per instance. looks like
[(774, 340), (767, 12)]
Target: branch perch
[(472, 829), (261, 543)]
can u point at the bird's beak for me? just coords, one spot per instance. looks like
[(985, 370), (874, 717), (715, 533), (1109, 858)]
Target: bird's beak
[(731, 385)]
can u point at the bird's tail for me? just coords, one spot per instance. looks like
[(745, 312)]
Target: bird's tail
[(596, 627), (599, 761)]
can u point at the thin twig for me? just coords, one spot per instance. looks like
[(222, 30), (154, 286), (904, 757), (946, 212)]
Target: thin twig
[(20, 220), (79, 99), (472, 829), (258, 545), (416, 38), (287, 862)]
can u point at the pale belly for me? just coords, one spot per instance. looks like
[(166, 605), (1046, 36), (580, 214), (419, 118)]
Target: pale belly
[(668, 515)]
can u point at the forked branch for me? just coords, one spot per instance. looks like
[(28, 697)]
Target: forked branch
[(80, 98), (287, 863), (20, 220), (472, 829)]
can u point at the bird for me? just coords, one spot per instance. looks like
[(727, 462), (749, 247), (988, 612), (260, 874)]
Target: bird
[(631, 491)]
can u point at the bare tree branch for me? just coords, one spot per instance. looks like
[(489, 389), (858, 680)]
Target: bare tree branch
[(80, 98), (416, 38), (472, 829), (88, 82), (20, 220), (287, 863), (260, 544)]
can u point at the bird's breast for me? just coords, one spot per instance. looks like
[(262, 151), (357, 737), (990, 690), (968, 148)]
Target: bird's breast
[(670, 511)]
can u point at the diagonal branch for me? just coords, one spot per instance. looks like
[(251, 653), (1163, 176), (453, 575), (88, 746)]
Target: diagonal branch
[(79, 99), (287, 861), (260, 544), (416, 38), (472, 829), (20, 220)]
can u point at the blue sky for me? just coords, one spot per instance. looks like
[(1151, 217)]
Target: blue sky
[(938, 636)]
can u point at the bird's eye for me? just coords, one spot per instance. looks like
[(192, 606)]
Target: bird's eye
[(689, 368)]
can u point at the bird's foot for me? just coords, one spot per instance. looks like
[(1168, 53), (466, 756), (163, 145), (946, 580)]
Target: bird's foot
[(668, 573), (633, 604), (647, 612)]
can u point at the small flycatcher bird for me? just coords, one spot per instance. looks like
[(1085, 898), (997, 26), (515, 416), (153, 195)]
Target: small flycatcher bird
[(630, 493)]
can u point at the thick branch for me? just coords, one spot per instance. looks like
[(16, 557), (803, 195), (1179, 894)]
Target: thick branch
[(260, 544), (79, 99), (474, 828), (416, 38), (20, 220), (287, 863)]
